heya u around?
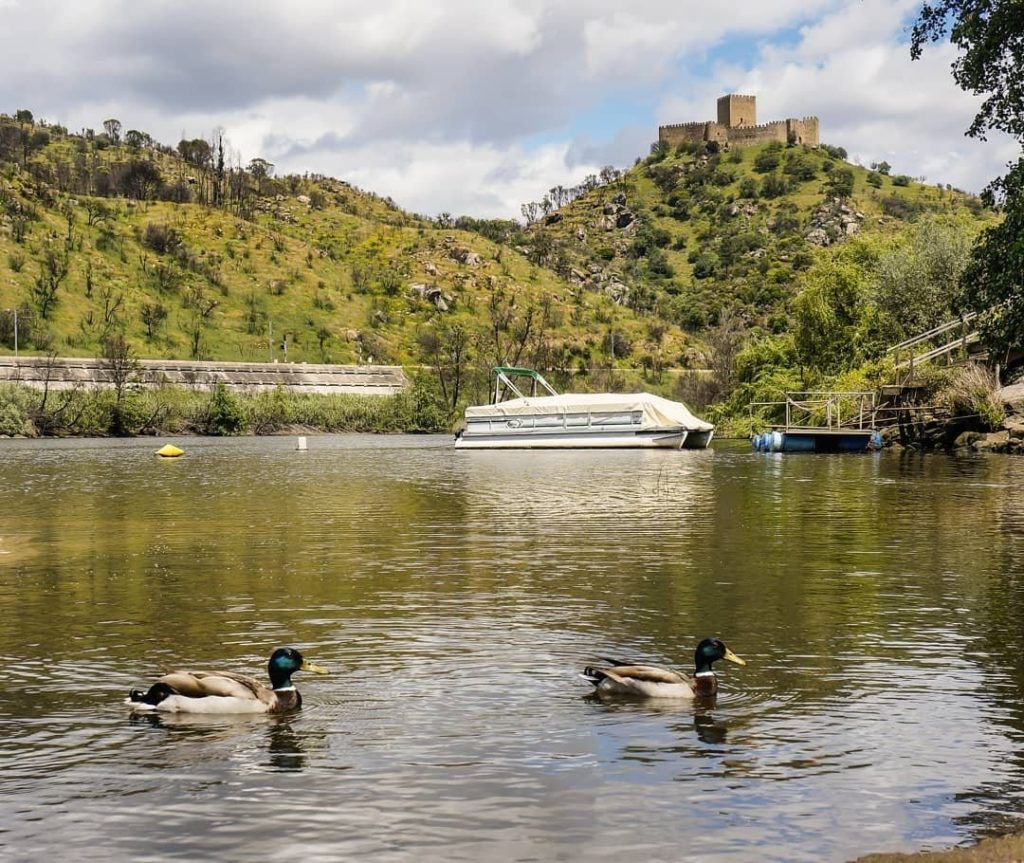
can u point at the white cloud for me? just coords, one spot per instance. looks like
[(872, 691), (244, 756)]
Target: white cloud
[(440, 104)]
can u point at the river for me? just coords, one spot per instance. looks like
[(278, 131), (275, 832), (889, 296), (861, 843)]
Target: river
[(454, 596)]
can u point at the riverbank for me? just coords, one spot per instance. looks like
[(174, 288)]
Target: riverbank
[(1004, 849), (982, 421), (27, 411)]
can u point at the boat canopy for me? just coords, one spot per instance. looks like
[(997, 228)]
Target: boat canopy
[(656, 411)]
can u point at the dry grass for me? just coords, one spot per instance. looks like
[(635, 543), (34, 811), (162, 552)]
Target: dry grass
[(971, 391)]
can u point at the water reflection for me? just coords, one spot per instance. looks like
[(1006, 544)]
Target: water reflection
[(285, 747), (877, 600)]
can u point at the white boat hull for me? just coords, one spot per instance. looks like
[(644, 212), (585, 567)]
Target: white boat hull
[(667, 439)]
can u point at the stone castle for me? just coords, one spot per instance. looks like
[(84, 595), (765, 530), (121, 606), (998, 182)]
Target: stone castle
[(737, 126)]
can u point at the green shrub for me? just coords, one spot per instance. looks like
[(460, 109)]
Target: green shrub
[(840, 183), (773, 186), (768, 159), (225, 415), (748, 188), (14, 412), (802, 166), (900, 208), (162, 239)]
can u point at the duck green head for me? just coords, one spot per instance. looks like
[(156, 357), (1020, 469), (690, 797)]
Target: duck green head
[(284, 662), (711, 650)]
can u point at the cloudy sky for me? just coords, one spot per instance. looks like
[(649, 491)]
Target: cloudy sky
[(475, 106)]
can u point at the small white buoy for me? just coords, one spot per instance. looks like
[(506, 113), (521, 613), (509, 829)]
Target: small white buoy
[(302, 445)]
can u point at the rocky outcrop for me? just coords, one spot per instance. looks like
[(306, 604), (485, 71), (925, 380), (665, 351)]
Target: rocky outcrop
[(432, 294), (616, 214), (465, 256), (832, 222), (741, 209)]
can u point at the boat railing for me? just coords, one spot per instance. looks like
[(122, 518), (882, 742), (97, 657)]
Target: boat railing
[(505, 385), (823, 409)]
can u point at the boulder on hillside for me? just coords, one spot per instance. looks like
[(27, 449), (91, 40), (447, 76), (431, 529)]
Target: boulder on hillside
[(617, 292), (432, 294), (553, 218), (818, 237), (465, 256)]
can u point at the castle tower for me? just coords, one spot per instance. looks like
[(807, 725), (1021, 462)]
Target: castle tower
[(736, 111)]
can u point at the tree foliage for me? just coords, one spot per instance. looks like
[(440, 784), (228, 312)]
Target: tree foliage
[(993, 282), (916, 283), (833, 316), (990, 36)]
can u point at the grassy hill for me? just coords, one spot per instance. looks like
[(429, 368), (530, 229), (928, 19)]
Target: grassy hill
[(99, 237), (684, 261), (697, 235)]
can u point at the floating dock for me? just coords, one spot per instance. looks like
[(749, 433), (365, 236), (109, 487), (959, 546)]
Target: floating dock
[(820, 422), (817, 440)]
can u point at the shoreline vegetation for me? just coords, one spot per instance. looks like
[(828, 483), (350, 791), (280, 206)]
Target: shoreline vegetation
[(968, 411), (136, 412)]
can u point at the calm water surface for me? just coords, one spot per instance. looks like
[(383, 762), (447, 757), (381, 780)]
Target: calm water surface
[(455, 595)]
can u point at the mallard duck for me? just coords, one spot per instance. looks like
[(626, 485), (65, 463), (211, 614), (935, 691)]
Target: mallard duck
[(225, 691), (650, 681)]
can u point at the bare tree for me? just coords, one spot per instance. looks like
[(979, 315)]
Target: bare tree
[(153, 315), (53, 270), (514, 327), (112, 304), (122, 370), (260, 169), (200, 307), (448, 348), (113, 129)]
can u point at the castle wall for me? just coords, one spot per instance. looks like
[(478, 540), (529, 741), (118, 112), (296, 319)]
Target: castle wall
[(747, 135), (733, 109), (678, 133), (804, 131)]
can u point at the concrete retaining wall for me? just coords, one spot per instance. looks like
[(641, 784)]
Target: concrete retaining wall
[(65, 373)]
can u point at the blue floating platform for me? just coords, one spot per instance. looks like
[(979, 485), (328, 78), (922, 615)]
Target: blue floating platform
[(817, 440)]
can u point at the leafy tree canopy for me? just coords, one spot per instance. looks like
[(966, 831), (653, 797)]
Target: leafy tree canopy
[(990, 36)]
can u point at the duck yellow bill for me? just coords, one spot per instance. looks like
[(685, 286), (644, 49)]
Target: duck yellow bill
[(732, 657), (316, 669)]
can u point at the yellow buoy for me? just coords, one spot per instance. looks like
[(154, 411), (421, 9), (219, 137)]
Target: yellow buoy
[(169, 451)]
